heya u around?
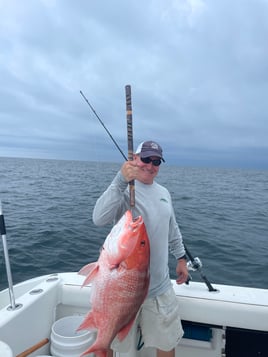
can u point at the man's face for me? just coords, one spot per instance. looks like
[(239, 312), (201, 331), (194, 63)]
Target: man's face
[(148, 171)]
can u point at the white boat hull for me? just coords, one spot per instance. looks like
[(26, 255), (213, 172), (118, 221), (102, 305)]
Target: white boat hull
[(213, 321)]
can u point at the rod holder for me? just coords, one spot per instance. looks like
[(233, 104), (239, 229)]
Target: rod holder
[(13, 305)]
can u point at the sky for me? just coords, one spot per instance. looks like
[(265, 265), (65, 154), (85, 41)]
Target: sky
[(198, 71)]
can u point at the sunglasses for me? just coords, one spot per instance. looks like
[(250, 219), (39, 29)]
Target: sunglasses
[(148, 160)]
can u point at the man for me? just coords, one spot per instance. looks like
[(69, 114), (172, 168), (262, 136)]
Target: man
[(158, 319)]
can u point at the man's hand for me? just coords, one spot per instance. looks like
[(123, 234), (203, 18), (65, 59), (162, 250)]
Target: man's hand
[(130, 170), (182, 271)]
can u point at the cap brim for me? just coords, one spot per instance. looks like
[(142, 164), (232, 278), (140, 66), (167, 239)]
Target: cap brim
[(151, 153)]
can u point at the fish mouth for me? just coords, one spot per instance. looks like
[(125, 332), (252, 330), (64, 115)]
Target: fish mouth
[(123, 239), (136, 222)]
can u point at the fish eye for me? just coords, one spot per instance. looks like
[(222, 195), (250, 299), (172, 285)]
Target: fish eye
[(143, 243)]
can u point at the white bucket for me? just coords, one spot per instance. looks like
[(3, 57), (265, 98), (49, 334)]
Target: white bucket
[(5, 350), (66, 341)]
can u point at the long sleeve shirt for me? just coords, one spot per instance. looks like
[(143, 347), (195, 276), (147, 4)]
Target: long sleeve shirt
[(153, 202)]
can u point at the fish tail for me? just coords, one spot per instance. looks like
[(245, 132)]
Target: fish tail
[(99, 353)]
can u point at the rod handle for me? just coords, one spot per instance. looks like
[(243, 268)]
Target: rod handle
[(130, 140)]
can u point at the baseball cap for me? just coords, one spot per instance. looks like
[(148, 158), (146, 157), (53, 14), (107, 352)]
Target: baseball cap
[(149, 148)]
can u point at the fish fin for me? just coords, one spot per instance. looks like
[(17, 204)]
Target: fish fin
[(125, 330), (87, 324), (87, 269), (99, 353), (90, 270), (97, 348)]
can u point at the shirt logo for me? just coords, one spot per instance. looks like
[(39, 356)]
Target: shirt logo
[(164, 200)]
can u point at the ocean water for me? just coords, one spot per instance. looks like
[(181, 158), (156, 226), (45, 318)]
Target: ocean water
[(48, 204)]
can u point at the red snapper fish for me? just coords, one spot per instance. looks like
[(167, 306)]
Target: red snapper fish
[(120, 281)]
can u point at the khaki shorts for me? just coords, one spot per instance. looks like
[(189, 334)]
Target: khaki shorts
[(158, 322)]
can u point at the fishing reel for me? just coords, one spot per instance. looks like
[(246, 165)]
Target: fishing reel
[(194, 264)]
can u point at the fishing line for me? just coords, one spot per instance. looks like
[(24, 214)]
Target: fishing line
[(129, 137), (107, 131)]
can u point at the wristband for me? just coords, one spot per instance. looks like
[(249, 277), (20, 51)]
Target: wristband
[(183, 257)]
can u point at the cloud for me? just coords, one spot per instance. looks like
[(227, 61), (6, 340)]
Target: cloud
[(198, 71)]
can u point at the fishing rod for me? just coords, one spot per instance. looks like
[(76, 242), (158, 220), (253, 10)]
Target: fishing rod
[(130, 142), (129, 136), (108, 132), (195, 263)]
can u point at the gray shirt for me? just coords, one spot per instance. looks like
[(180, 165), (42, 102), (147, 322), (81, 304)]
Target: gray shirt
[(153, 202)]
